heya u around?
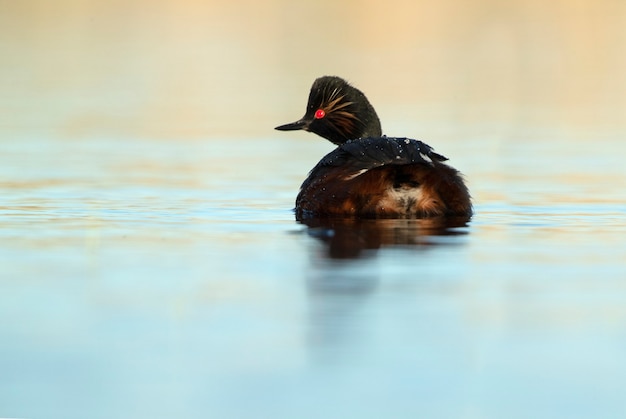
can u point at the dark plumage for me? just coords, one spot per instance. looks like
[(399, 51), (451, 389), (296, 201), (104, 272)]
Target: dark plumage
[(368, 174)]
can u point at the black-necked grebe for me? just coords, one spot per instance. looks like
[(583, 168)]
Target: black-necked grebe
[(368, 174)]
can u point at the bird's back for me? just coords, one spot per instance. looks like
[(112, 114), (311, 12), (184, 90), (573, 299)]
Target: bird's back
[(383, 177)]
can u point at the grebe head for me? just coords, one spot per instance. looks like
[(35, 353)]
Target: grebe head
[(337, 112)]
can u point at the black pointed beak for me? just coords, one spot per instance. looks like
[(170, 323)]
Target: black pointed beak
[(301, 124)]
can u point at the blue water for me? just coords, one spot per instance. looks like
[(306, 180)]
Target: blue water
[(151, 266), (169, 279)]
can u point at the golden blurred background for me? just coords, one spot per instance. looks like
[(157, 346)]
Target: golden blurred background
[(217, 69)]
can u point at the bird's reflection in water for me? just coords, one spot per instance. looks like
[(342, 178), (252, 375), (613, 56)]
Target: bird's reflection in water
[(345, 274), (347, 238)]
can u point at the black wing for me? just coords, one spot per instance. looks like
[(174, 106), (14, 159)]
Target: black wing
[(367, 153)]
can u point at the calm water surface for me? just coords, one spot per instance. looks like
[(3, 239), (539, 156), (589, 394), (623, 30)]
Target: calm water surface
[(151, 266), (147, 278)]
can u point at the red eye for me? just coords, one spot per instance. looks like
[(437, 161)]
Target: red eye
[(319, 114)]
